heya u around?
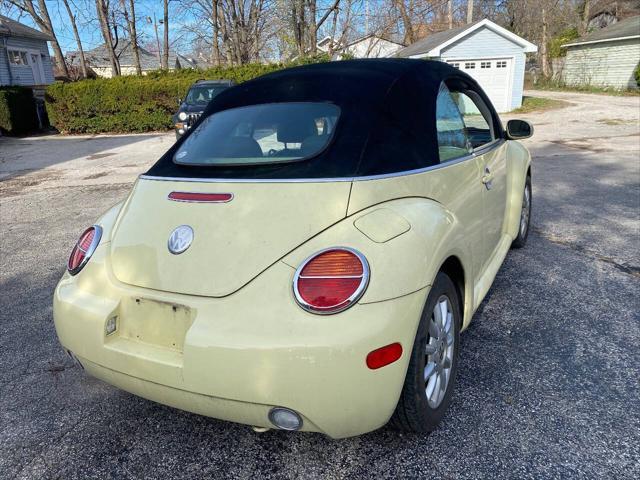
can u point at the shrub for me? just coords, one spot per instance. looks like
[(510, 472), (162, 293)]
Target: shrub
[(555, 44), (136, 104), (17, 110), (636, 74)]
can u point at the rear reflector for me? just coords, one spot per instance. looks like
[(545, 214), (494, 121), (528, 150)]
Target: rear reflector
[(384, 356), (200, 197)]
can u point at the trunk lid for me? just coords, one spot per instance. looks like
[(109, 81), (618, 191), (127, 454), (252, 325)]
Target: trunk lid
[(232, 243)]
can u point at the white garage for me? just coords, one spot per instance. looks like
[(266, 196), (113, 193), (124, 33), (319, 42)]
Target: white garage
[(492, 55)]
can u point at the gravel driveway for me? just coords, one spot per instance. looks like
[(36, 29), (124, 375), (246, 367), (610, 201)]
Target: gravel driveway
[(548, 380)]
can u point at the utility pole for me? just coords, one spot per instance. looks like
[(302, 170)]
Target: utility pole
[(154, 22)]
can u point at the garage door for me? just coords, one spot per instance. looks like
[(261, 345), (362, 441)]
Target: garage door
[(494, 76)]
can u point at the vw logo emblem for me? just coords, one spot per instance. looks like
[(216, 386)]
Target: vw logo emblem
[(180, 239)]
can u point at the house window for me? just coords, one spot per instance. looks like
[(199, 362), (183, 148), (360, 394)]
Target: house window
[(501, 64), (17, 58), (470, 65), (485, 64), (455, 65)]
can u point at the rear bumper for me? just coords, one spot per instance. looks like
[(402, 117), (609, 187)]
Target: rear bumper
[(235, 358)]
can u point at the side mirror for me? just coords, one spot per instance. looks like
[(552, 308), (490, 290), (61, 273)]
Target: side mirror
[(519, 129)]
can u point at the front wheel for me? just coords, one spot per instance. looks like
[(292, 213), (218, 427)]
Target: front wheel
[(428, 386), (525, 217)]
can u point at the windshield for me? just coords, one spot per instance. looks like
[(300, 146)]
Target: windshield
[(260, 134), (203, 94)]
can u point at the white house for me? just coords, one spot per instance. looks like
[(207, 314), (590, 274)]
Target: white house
[(369, 46), (24, 55), (491, 54), (606, 57)]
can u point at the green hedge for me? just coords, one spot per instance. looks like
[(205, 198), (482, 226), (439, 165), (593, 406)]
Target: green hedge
[(17, 110), (135, 104)]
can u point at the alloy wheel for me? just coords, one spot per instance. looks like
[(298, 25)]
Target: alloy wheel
[(439, 352), (526, 211)]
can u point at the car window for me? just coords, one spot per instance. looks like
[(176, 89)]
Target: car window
[(452, 136), (260, 134), (203, 94), (476, 117)]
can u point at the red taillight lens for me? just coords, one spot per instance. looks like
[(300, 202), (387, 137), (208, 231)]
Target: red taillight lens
[(384, 356), (331, 280), (84, 249)]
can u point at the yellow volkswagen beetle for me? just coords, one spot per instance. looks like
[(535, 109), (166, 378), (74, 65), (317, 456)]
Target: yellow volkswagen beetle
[(307, 255)]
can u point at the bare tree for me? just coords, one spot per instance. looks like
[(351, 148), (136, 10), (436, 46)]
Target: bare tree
[(74, 26), (130, 19), (215, 4), (469, 11), (450, 13), (40, 15), (165, 44), (110, 40)]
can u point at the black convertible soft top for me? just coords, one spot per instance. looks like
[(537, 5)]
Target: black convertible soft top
[(387, 121)]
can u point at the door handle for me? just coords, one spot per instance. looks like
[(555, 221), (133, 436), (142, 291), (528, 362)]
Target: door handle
[(487, 178)]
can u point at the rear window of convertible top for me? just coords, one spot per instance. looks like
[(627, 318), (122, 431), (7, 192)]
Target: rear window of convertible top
[(260, 135)]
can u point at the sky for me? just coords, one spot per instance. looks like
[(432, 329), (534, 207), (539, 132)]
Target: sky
[(88, 24), (90, 35)]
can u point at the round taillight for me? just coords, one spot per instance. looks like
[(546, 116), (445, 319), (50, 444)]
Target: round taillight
[(331, 280), (83, 250)]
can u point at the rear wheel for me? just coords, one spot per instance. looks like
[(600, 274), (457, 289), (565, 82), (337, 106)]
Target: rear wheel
[(428, 386), (525, 217)]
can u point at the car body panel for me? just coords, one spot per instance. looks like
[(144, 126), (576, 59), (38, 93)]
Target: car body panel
[(233, 242), (245, 349)]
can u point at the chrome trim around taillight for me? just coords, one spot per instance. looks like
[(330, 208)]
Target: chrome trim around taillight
[(87, 254), (366, 274)]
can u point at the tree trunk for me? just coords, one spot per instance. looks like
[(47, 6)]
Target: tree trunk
[(409, 36), (585, 17), (214, 22), (72, 19), (133, 36), (313, 27), (543, 47), (42, 19), (165, 46), (450, 13), (57, 51), (469, 11), (105, 28)]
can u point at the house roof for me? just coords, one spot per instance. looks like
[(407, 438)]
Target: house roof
[(99, 57), (11, 28), (432, 45), (628, 28)]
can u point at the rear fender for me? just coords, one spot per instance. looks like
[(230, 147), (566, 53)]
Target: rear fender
[(405, 241)]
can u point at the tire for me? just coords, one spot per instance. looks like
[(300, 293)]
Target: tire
[(523, 227), (416, 412)]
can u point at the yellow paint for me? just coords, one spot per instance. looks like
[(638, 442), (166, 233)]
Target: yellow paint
[(382, 225), (216, 330)]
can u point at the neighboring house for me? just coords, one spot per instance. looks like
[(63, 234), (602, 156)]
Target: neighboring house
[(24, 56), (369, 46), (491, 54), (606, 57), (98, 60)]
